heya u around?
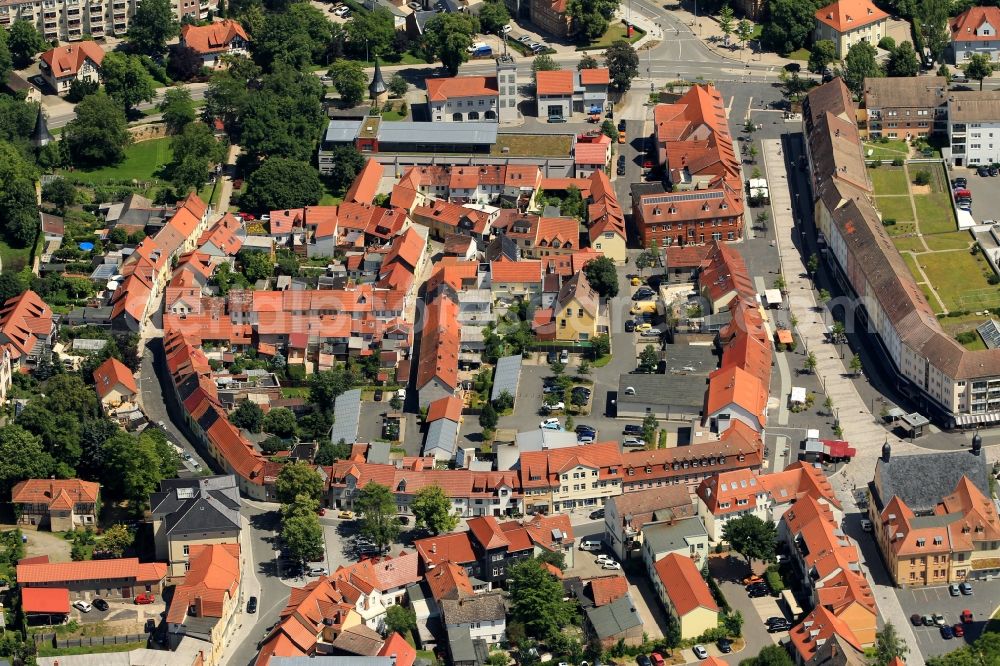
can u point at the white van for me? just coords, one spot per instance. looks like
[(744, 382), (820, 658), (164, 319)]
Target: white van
[(590, 544)]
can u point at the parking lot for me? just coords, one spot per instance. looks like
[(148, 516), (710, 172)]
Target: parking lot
[(983, 602), (985, 193)]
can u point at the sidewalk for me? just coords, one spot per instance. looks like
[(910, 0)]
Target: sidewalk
[(243, 625), (706, 28)]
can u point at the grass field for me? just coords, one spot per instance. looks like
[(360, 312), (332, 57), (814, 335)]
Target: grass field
[(614, 32), (934, 213), (542, 145), (896, 208), (955, 240), (886, 151), (889, 180), (909, 243), (801, 54), (958, 278), (143, 161), (901, 229), (911, 263)]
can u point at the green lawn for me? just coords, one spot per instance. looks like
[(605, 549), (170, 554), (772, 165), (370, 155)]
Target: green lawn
[(801, 54), (955, 240), (14, 259), (614, 32), (886, 151), (329, 198), (911, 263), (911, 243), (934, 302), (959, 279), (977, 344), (896, 208), (901, 228), (934, 213), (143, 161), (46, 649), (889, 180)]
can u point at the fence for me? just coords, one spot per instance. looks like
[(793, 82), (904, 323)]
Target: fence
[(87, 641)]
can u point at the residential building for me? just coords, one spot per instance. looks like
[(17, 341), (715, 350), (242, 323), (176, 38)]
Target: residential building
[(575, 316), (444, 218), (815, 631), (62, 65), (561, 93), (111, 579), (114, 383), (735, 394), (582, 476), (444, 416), (686, 536), (62, 505), (516, 279), (685, 595), (437, 366), (837, 651), (591, 153), (204, 605), (373, 588), (702, 199), (482, 616), (847, 22), (538, 237), (551, 17), (27, 329), (462, 184), (606, 219), (609, 611), (946, 382), (461, 98), (975, 31), (973, 123), (215, 40), (730, 495), (939, 528), (625, 516), (904, 108), (188, 513)]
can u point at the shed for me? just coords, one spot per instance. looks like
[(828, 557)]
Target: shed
[(914, 424), (506, 377), (45, 605)]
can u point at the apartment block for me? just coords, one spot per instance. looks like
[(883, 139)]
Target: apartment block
[(904, 108)]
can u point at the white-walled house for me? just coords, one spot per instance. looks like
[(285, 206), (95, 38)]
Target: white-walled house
[(975, 31), (483, 616)]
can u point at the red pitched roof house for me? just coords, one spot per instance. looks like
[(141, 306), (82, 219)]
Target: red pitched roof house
[(125, 577), (49, 603), (437, 368), (114, 383), (25, 328), (60, 504), (461, 98), (204, 603), (561, 93), (847, 22), (365, 185), (975, 31), (64, 64), (215, 40), (685, 594)]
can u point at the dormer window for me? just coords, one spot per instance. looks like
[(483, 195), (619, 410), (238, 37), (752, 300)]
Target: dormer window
[(672, 211)]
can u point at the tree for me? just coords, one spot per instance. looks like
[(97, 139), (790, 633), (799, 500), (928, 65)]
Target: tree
[(772, 655), (295, 38), (601, 345), (789, 24), (536, 599), (726, 21), (493, 16), (903, 61), (838, 330), (281, 422), (255, 265), (649, 358), (24, 42), (432, 509), (400, 619), (347, 162), (488, 417), (183, 62), (649, 427), (398, 85), (822, 55), (196, 151), (59, 192), (272, 445), (751, 537), (282, 183), (97, 136), (227, 93), (177, 108), (945, 72), (856, 365), (378, 514), (328, 452), (79, 89), (303, 535), (931, 20), (824, 296), (12, 284), (153, 25), (888, 646), (779, 283), (590, 17), (134, 467), (247, 415), (298, 479), (504, 401), (117, 539), (587, 62), (371, 32), (447, 37), (812, 264), (350, 81), (744, 31), (810, 363), (21, 457), (284, 118), (603, 276), (978, 67), (859, 65), (623, 64)]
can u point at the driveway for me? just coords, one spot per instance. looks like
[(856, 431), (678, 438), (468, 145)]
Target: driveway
[(982, 603)]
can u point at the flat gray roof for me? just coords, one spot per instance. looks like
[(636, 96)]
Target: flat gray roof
[(686, 390), (506, 376), (690, 359), (346, 417), (342, 131), (669, 537), (411, 132)]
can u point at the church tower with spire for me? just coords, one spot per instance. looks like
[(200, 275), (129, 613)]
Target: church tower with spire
[(377, 90), (41, 136)]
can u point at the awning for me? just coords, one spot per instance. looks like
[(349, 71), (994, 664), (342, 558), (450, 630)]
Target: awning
[(837, 448), (784, 336), (798, 395)]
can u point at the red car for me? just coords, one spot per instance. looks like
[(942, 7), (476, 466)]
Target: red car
[(656, 658), (145, 598), (321, 511), (958, 630), (966, 616), (248, 216)]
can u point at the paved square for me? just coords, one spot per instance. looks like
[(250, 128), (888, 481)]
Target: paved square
[(983, 602)]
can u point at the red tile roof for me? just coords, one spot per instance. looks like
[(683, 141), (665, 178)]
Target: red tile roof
[(127, 568), (596, 76), (847, 15), (455, 548), (449, 408), (67, 60), (23, 320), (408, 247), (365, 185), (440, 344), (684, 585), (965, 25), (448, 581), (815, 629), (527, 271), (213, 38), (46, 491), (606, 589), (486, 530), (541, 469), (112, 374), (555, 82), (212, 579), (401, 652), (735, 386), (440, 89), (44, 600)]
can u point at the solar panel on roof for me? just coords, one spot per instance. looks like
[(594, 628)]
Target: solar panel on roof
[(687, 196), (990, 333)]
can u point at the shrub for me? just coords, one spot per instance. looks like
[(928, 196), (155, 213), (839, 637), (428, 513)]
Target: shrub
[(993, 279), (966, 337), (876, 164), (888, 222), (296, 372), (774, 582), (898, 162), (922, 178)]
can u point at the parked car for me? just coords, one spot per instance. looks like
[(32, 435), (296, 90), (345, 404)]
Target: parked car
[(621, 158), (590, 544), (582, 390), (252, 605), (321, 511), (965, 588), (524, 39), (564, 356), (643, 660), (758, 592), (928, 620), (774, 619), (555, 406), (145, 598), (100, 604), (643, 327), (552, 388), (983, 172), (621, 125), (643, 294), (651, 333), (633, 442), (611, 566), (966, 616), (621, 137), (656, 658), (340, 11), (82, 606), (953, 590), (620, 170), (776, 627), (725, 645), (958, 630), (378, 395), (583, 427), (700, 651), (506, 29), (551, 357), (550, 424), (346, 515), (585, 439), (317, 571), (916, 619), (994, 170), (960, 182), (632, 429), (603, 557), (629, 325), (597, 515), (939, 619), (947, 633), (866, 525)]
